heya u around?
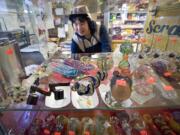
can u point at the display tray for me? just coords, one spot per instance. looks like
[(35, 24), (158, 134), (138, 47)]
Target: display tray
[(51, 102), (84, 102)]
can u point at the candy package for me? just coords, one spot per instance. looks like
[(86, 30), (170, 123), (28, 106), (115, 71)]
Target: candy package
[(78, 65)]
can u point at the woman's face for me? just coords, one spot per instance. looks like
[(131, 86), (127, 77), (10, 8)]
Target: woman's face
[(81, 27)]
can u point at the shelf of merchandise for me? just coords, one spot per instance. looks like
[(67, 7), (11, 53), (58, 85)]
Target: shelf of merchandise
[(123, 27), (135, 20), (132, 12), (131, 27), (121, 41)]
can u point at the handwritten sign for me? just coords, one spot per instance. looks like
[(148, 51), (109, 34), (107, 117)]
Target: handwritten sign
[(174, 40), (46, 132), (158, 39), (157, 28), (168, 88), (167, 74), (143, 132), (151, 80), (71, 133), (86, 133), (9, 51), (57, 133), (121, 82)]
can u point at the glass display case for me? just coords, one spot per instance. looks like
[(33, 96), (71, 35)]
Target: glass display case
[(88, 87), (126, 93)]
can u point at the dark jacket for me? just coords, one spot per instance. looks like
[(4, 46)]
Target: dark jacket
[(99, 42)]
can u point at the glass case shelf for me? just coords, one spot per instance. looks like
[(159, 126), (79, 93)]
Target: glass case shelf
[(153, 91)]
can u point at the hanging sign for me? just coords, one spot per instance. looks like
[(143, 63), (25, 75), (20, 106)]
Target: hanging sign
[(157, 28)]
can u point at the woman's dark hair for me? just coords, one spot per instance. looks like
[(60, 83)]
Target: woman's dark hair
[(83, 18)]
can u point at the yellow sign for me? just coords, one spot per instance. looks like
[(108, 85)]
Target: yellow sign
[(163, 30)]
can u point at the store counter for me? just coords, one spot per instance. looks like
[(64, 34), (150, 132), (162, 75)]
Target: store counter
[(105, 88)]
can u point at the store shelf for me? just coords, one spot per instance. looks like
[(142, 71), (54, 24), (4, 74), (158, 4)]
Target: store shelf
[(130, 24), (131, 12), (129, 27), (53, 39), (135, 20), (122, 41)]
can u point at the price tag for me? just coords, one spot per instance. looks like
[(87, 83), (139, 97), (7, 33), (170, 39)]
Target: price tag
[(57, 133), (167, 74), (71, 133), (151, 80), (174, 40), (143, 40), (9, 51), (121, 82), (168, 88), (46, 132), (143, 132), (158, 39), (86, 133)]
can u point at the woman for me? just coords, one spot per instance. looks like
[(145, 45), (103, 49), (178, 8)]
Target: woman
[(88, 36)]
